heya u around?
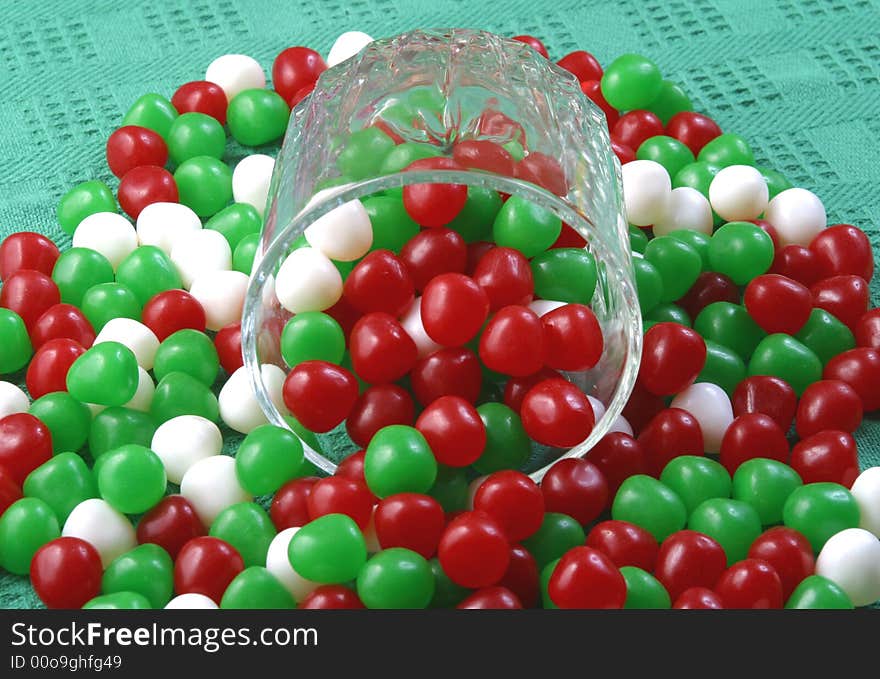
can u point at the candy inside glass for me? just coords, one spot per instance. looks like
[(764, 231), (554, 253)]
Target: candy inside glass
[(440, 88)]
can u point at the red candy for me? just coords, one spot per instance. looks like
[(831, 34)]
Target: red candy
[(453, 371), (320, 394), (859, 368), (227, 342), (48, 368), (543, 170), (491, 598), (844, 297), (788, 552), (618, 456), (453, 430), (625, 544), (709, 287), (867, 330), (572, 338), (62, 321), (514, 500), (10, 491), (505, 276), (381, 350), (694, 130), (534, 43), (517, 387), (170, 524), (635, 127), (289, 508), (331, 597), (583, 64), (586, 578), (513, 342), (66, 573), (379, 282), (206, 565), (766, 394), (641, 408), (777, 303), (434, 204), (144, 185), (671, 433), (483, 154), (352, 466), (433, 252), (200, 96), (453, 309), (25, 444), (798, 263), (556, 413), (750, 583), (341, 495), (575, 487), (132, 146), (295, 68), (672, 357), (474, 551), (593, 90), (752, 435), (173, 310), (843, 249), (826, 456), (698, 598), (828, 404), (379, 406), (521, 576), (29, 293), (410, 520), (689, 559), (623, 152), (27, 250)]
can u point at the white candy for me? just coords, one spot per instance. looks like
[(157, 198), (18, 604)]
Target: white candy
[(412, 323), (235, 73), (646, 191), (200, 252), (866, 491), (238, 403), (687, 208), (739, 193), (250, 180), (12, 400), (851, 558), (473, 487), (143, 397), (307, 281), (162, 224), (135, 335), (346, 46), (192, 601), (184, 440), (107, 530), (797, 215), (598, 407), (278, 564), (108, 233), (545, 306), (710, 406), (622, 425), (344, 234), (221, 294), (211, 485), (370, 537)]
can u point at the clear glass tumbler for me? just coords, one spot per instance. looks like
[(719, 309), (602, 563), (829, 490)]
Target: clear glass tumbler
[(439, 88)]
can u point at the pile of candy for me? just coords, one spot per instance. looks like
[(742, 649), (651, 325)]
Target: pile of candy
[(756, 317)]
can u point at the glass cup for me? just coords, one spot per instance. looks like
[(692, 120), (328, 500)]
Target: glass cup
[(437, 89)]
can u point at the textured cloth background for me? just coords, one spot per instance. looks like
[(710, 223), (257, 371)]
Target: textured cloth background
[(800, 79)]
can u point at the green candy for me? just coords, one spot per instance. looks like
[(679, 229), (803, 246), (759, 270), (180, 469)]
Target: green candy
[(195, 134), (106, 301), (83, 200), (723, 367), (236, 222), (204, 185), (474, 222), (631, 82), (819, 510), (450, 488), (114, 427), (765, 485), (669, 152), (146, 570), (825, 336), (255, 588), (79, 269), (364, 153), (181, 394), (733, 524), (668, 313), (783, 356), (119, 601), (546, 574), (256, 117), (245, 252), (643, 590), (447, 594), (678, 264), (154, 112), (62, 483), (312, 336), (698, 240), (515, 149), (565, 275), (106, 374), (131, 478), (392, 226), (730, 325), (329, 550), (247, 527), (558, 533), (68, 420), (648, 503), (15, 349), (268, 458), (396, 578), (188, 351), (507, 444), (741, 251), (638, 240), (727, 149), (402, 155), (525, 226), (776, 182), (817, 592), (399, 460), (649, 284), (147, 271), (25, 526), (698, 175), (696, 479), (670, 100)]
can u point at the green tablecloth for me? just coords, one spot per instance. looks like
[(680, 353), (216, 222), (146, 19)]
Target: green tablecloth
[(799, 78)]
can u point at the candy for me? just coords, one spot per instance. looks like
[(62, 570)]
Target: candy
[(647, 191), (131, 478), (204, 184), (201, 96), (152, 111), (27, 250), (170, 524), (820, 510), (696, 479), (200, 252), (146, 570), (732, 523), (643, 590), (83, 200), (99, 524), (738, 193), (631, 81), (268, 458), (135, 336), (565, 275), (108, 233), (328, 550), (195, 134), (525, 226), (585, 578), (777, 303), (866, 489), (211, 485), (79, 269), (247, 528), (221, 294), (752, 435), (741, 251), (250, 180), (826, 456), (25, 526), (689, 559), (797, 215), (163, 224), (512, 342), (851, 559), (750, 583), (237, 401), (307, 281), (191, 601), (62, 483), (206, 565), (399, 460), (49, 366), (234, 73), (256, 588), (686, 208), (144, 185), (278, 564), (788, 553), (725, 150), (66, 573), (556, 413), (576, 488), (257, 116), (184, 440), (473, 550), (668, 152), (816, 592), (648, 503), (12, 400)]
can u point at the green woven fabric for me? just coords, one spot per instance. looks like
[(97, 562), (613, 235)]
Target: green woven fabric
[(799, 78)]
